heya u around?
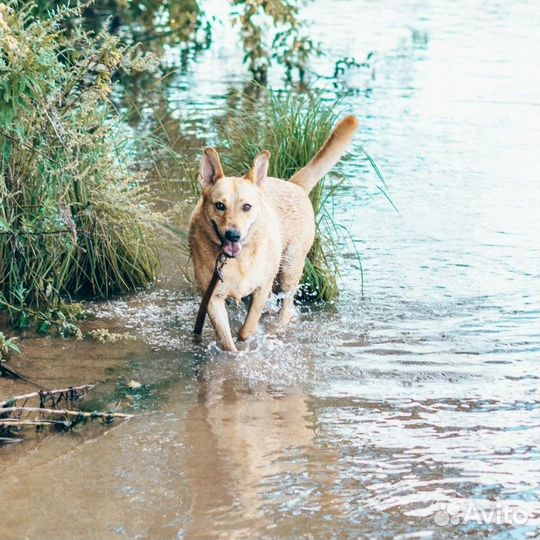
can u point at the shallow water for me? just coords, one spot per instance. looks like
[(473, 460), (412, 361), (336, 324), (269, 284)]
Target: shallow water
[(379, 416)]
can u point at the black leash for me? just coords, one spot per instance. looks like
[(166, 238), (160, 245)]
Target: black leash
[(217, 276)]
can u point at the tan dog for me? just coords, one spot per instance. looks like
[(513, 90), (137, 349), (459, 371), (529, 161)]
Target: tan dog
[(265, 226)]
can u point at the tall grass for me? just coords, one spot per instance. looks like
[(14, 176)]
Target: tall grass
[(74, 215), (293, 128)]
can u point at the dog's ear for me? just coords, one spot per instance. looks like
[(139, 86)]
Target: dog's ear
[(259, 170), (211, 170)]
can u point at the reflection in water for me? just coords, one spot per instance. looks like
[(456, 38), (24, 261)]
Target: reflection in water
[(235, 433), (368, 415)]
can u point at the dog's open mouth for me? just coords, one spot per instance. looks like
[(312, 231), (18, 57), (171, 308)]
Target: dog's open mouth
[(232, 249)]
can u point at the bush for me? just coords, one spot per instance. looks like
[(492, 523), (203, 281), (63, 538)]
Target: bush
[(74, 216), (271, 31)]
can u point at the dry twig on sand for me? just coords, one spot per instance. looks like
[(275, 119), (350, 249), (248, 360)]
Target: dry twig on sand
[(13, 415), (64, 412), (71, 393)]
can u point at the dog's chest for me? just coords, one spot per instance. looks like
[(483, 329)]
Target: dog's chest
[(241, 278)]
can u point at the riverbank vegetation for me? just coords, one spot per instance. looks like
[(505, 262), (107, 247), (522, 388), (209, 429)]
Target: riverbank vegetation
[(75, 217)]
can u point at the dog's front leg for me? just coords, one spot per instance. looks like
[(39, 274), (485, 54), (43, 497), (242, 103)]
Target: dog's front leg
[(260, 295), (220, 321)]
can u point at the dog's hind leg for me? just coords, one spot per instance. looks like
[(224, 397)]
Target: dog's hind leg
[(260, 295), (220, 321), (289, 277)]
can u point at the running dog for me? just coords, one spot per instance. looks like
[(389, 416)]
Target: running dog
[(264, 225)]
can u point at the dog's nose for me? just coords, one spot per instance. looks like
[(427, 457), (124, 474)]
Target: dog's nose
[(232, 235)]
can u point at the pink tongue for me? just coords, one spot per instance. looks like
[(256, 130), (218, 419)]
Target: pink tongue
[(232, 249)]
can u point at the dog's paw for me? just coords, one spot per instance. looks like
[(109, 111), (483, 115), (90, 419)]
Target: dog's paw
[(228, 347), (285, 317), (245, 333)]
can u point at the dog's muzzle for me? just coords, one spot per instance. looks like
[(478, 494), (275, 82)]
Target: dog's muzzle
[(231, 249)]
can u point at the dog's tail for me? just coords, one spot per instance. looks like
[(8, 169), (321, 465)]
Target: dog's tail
[(308, 176)]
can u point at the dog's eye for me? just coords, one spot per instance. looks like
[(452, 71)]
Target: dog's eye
[(220, 206), (246, 207)]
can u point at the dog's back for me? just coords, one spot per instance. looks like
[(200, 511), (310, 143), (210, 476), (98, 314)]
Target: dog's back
[(290, 199), (295, 213)]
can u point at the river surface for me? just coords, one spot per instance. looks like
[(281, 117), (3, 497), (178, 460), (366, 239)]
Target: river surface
[(409, 412)]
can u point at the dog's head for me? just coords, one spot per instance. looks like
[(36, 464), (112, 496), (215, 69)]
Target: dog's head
[(231, 204)]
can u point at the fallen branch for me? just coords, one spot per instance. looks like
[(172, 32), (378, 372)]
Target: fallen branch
[(66, 412), (15, 422), (72, 390), (9, 440), (13, 416)]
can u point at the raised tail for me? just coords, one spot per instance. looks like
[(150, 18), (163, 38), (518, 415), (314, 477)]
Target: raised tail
[(308, 176)]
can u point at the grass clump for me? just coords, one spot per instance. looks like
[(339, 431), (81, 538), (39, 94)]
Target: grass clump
[(74, 216), (293, 128), (7, 345)]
